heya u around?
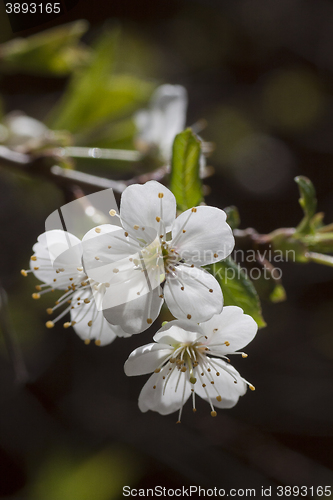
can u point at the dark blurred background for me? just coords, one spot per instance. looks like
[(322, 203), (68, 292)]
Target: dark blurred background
[(260, 73)]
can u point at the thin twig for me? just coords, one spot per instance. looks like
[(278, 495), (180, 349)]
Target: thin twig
[(44, 165)]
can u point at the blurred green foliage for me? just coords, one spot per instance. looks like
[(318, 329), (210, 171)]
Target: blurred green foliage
[(100, 476), (56, 51), (97, 94)]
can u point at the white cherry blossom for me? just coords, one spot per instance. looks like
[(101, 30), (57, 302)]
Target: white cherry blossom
[(165, 118), (188, 359), (155, 256), (57, 263)]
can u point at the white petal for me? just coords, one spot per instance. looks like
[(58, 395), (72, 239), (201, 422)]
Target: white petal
[(54, 250), (57, 242), (166, 117), (100, 329), (140, 205), (99, 230), (146, 359), (224, 385), (108, 248), (207, 237), (168, 400), (195, 302), (137, 315), (177, 332), (231, 326)]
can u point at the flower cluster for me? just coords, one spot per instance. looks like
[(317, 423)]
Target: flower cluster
[(115, 280)]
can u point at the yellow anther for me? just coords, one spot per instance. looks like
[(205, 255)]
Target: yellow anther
[(109, 246), (38, 287), (193, 380), (160, 195), (219, 398), (157, 370), (189, 316), (24, 272), (67, 324), (34, 257), (116, 270), (136, 227), (86, 301), (178, 422), (193, 210), (84, 283), (97, 342), (149, 321), (112, 212), (227, 343), (203, 385), (183, 369), (217, 374), (182, 288), (158, 219), (97, 230), (87, 341), (211, 290), (49, 310), (90, 323), (154, 386), (97, 258), (80, 269), (49, 324), (36, 296), (194, 410), (213, 413), (244, 355), (54, 279), (215, 255), (106, 285), (252, 387), (184, 230), (126, 234)]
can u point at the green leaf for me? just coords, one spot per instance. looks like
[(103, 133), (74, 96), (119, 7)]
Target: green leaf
[(185, 182), (233, 218), (96, 95), (237, 289), (308, 202), (56, 51)]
